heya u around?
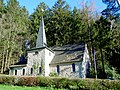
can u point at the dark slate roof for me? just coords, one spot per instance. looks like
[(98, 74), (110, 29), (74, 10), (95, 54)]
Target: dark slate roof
[(22, 60), (68, 53)]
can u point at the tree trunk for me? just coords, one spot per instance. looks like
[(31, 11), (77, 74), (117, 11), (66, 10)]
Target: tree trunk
[(103, 68), (9, 61), (6, 60), (3, 57)]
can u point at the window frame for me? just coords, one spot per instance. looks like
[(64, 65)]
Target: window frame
[(40, 70), (31, 71), (15, 72), (73, 67), (58, 69), (23, 71)]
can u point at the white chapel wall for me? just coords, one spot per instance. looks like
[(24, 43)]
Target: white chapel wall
[(49, 55), (85, 62), (35, 60), (19, 71), (66, 70)]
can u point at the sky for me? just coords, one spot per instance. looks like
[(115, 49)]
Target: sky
[(32, 4)]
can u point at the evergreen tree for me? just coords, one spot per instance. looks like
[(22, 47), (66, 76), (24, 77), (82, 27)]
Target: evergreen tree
[(14, 25), (103, 40)]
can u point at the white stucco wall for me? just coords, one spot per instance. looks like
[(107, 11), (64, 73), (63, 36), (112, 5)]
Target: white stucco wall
[(66, 70), (48, 58), (35, 58), (42, 59), (35, 61), (19, 71), (86, 61)]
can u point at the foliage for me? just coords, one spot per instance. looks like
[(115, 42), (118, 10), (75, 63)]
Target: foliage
[(111, 73), (45, 81), (14, 23), (61, 82), (53, 74), (7, 79), (84, 84), (27, 81)]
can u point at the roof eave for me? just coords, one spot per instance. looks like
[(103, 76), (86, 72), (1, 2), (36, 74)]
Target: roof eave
[(21, 65), (40, 48)]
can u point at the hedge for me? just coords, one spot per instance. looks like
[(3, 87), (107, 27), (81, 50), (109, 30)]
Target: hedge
[(59, 82)]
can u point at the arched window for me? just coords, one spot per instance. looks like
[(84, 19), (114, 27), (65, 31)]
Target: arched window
[(15, 72), (23, 71), (58, 69), (40, 70), (36, 52), (31, 70), (73, 67)]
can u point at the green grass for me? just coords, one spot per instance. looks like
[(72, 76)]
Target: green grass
[(11, 87)]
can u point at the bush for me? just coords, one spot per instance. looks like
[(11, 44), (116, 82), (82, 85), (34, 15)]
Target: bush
[(59, 82), (73, 84), (27, 81), (7, 79), (45, 81), (54, 74)]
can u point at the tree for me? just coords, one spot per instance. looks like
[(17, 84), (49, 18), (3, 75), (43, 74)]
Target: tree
[(114, 50), (103, 38), (59, 24), (14, 25)]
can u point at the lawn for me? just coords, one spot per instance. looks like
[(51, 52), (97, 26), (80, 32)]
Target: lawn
[(11, 87)]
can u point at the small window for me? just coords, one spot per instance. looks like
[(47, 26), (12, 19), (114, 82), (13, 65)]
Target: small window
[(73, 67), (31, 70), (23, 71), (36, 52), (15, 72), (58, 69), (40, 70)]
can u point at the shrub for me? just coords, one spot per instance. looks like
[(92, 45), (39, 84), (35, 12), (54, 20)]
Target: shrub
[(73, 84), (27, 81), (45, 81), (59, 82), (7, 79), (53, 74)]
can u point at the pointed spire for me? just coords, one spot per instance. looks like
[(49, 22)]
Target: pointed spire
[(41, 39)]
